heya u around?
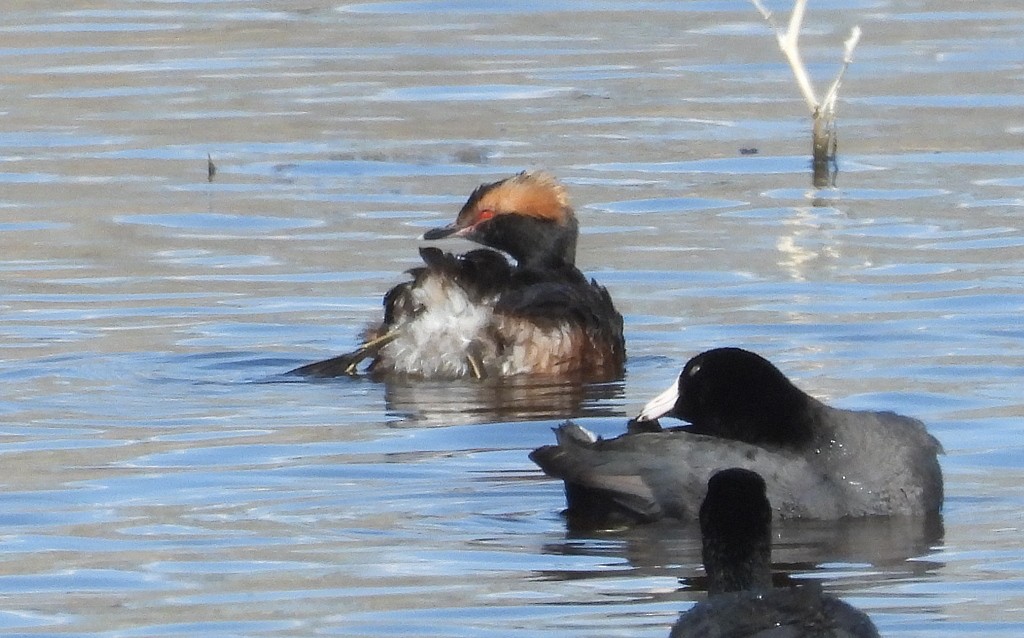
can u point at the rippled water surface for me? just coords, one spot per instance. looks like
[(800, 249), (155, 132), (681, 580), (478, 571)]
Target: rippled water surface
[(162, 478)]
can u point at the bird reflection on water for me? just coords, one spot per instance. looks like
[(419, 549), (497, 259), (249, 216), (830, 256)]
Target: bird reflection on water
[(465, 401), (873, 549)]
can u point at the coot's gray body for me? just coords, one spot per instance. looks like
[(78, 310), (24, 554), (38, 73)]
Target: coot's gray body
[(818, 461)]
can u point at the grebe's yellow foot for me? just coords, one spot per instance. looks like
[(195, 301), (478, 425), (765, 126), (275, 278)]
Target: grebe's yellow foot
[(475, 367), (348, 363)]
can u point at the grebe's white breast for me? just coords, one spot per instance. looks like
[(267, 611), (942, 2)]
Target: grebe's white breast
[(446, 334)]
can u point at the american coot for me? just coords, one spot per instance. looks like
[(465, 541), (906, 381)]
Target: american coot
[(735, 527), (819, 462), (476, 315)]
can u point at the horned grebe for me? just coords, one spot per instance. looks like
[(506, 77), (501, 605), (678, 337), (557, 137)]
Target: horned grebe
[(479, 315)]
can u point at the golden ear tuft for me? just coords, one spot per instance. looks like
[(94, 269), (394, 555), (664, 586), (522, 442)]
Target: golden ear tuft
[(532, 193)]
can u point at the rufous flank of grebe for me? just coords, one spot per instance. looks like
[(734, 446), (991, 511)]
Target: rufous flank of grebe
[(479, 315)]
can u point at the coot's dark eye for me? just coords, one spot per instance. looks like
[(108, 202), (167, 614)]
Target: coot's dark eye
[(694, 369)]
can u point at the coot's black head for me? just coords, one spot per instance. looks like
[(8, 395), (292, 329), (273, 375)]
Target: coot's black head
[(735, 394), (735, 527)]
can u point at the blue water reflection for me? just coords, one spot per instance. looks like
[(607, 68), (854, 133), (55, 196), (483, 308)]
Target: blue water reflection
[(163, 477)]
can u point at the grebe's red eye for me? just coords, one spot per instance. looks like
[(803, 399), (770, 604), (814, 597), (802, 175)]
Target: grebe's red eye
[(484, 215)]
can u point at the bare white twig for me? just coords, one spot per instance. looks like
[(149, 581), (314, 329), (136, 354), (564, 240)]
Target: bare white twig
[(790, 46), (828, 105), (765, 13), (789, 43), (823, 112)]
